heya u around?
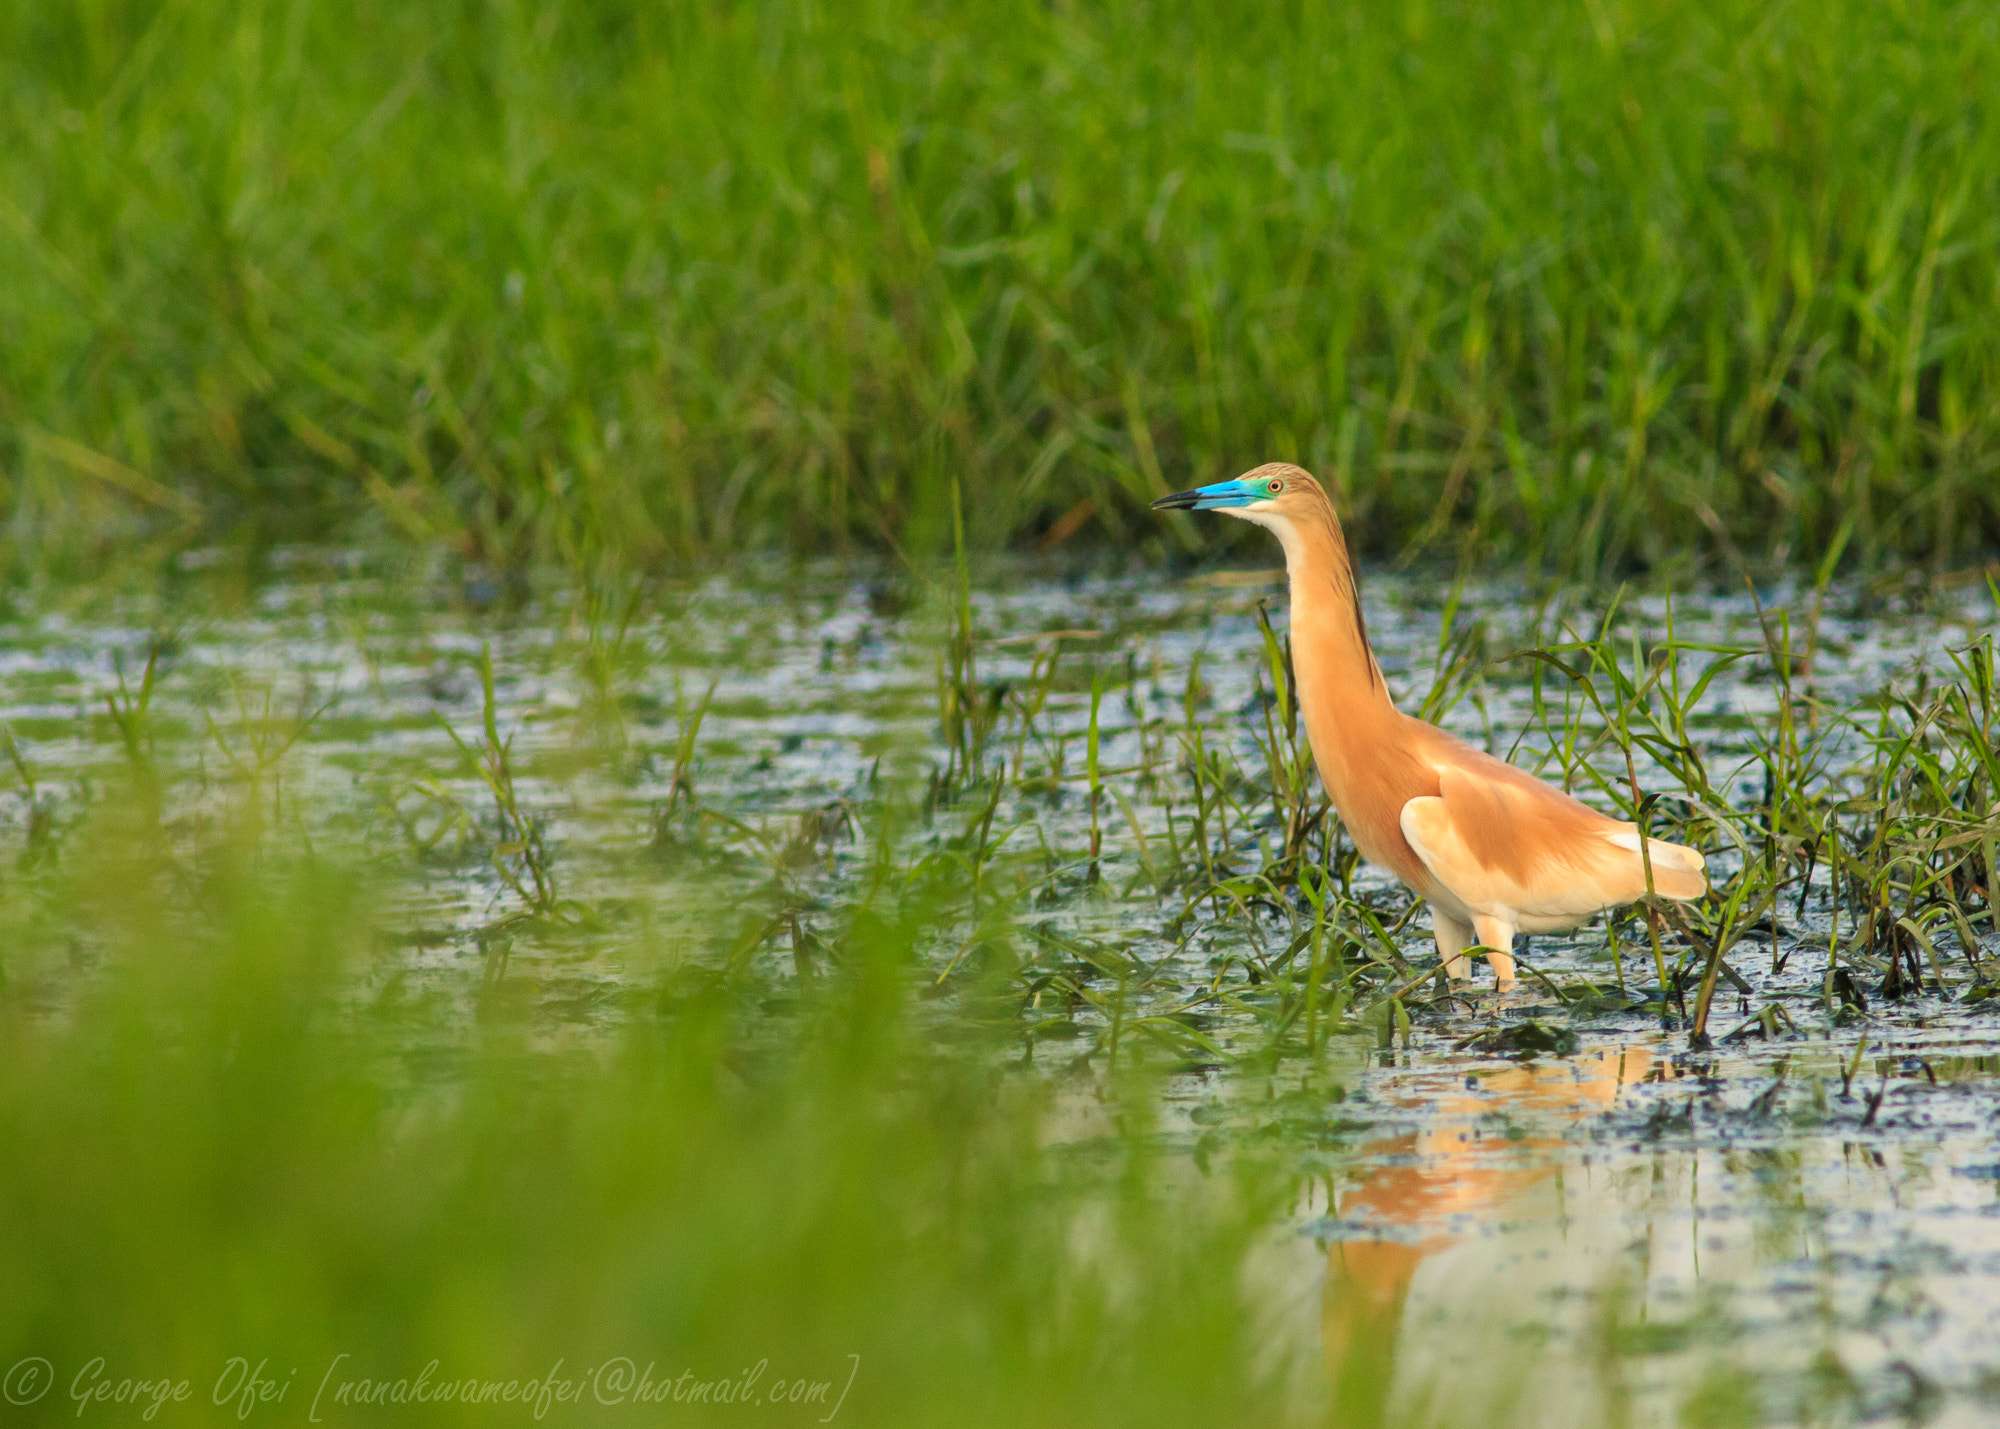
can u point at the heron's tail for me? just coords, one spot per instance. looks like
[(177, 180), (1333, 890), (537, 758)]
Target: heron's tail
[(1678, 871)]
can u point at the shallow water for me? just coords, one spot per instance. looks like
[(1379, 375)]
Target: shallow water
[(1804, 1225), (1615, 1235)]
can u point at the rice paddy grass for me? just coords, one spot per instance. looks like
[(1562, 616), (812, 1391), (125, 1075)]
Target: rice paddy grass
[(1596, 288), (949, 994)]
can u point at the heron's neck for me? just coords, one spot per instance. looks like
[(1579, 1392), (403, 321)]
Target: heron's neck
[(1341, 692)]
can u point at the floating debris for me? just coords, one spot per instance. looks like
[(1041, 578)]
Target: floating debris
[(1523, 1040)]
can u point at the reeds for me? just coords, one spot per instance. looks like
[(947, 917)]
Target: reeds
[(1599, 289)]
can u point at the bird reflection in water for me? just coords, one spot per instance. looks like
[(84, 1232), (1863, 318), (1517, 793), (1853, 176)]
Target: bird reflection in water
[(1462, 1164)]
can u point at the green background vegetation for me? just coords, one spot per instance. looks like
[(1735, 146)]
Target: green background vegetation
[(1598, 283)]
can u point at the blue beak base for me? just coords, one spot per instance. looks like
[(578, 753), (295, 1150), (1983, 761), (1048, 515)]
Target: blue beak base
[(1207, 498)]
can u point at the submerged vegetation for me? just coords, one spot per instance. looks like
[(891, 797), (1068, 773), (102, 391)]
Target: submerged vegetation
[(514, 990), (1599, 286)]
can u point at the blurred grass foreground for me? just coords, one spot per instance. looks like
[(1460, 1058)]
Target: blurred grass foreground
[(1601, 283), (226, 1169)]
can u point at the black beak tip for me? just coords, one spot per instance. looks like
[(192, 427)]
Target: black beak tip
[(1179, 501)]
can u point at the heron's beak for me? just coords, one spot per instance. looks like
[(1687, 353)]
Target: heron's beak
[(1207, 498)]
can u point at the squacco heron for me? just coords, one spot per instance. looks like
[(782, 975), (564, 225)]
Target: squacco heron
[(1493, 850)]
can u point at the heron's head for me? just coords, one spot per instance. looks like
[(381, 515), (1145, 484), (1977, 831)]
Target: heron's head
[(1277, 494)]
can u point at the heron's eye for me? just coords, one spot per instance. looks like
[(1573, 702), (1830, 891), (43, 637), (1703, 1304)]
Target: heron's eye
[(1274, 486)]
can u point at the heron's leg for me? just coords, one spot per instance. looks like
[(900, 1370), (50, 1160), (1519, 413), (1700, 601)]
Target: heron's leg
[(1453, 939), (1497, 934)]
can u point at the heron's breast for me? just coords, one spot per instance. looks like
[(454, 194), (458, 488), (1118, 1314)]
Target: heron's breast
[(1370, 804)]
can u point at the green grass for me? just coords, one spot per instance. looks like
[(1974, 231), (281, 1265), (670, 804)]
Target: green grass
[(1598, 286), (221, 1151)]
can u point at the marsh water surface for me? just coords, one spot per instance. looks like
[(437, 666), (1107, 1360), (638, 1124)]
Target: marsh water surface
[(1553, 1202)]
